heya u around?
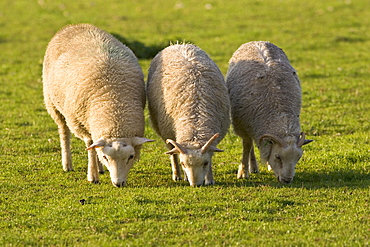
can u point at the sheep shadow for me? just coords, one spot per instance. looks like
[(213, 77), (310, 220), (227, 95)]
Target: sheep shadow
[(309, 180), (140, 49), (333, 179)]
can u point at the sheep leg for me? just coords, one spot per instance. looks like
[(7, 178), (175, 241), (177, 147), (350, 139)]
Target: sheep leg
[(209, 177), (65, 144), (92, 168), (64, 136), (253, 166), (176, 171), (100, 167), (243, 171)]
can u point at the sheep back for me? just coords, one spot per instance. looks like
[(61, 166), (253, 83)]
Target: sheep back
[(187, 95), (264, 90), (95, 82)]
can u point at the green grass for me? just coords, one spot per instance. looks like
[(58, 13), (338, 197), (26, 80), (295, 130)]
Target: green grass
[(326, 205)]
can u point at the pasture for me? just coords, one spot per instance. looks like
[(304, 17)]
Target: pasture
[(326, 205)]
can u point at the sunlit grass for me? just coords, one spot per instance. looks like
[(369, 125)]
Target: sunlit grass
[(326, 205)]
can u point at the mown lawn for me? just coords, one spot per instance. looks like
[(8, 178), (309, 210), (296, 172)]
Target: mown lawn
[(327, 204)]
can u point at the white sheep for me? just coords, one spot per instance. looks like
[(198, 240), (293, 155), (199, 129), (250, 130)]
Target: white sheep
[(94, 88), (189, 108), (265, 97)]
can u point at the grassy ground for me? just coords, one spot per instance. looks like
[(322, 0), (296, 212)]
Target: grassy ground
[(328, 202)]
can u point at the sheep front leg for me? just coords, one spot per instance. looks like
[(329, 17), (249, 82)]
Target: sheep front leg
[(253, 166), (176, 171), (209, 176), (243, 171), (100, 167), (92, 168)]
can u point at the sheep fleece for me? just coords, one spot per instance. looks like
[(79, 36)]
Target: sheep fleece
[(187, 96), (265, 92), (95, 82)]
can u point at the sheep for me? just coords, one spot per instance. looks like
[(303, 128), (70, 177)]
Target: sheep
[(94, 87), (189, 109), (265, 97)]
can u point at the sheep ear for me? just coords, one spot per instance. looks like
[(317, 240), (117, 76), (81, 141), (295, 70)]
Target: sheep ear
[(303, 141), (98, 144), (136, 141), (214, 149), (307, 141)]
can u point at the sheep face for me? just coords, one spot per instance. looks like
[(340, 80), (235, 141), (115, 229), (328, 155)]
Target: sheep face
[(282, 155), (118, 156), (196, 166), (283, 161), (196, 161)]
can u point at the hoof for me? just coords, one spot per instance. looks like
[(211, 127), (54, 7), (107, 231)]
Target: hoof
[(176, 178), (242, 174), (212, 182), (254, 170)]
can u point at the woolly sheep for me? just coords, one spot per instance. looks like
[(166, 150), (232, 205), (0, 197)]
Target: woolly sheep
[(189, 108), (94, 88), (265, 96)]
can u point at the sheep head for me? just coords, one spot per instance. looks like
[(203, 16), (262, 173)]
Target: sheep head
[(282, 155), (196, 161), (118, 155)]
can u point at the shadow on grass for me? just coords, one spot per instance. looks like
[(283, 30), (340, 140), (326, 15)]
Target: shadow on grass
[(309, 180), (140, 49), (347, 39), (143, 178), (147, 52), (333, 179), (350, 179)]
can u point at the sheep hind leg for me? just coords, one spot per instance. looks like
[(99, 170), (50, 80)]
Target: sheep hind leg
[(243, 171), (64, 136), (92, 168), (253, 166), (176, 171), (65, 144)]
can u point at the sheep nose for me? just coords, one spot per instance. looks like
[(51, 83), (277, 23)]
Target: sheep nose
[(118, 185), (286, 180)]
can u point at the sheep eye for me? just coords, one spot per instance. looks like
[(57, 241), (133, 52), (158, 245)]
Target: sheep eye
[(131, 157), (105, 157), (205, 164), (277, 156), (182, 164)]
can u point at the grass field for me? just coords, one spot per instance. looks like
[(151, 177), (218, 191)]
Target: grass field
[(326, 205)]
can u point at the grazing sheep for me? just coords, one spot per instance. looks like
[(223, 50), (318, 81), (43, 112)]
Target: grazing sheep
[(189, 108), (94, 88), (265, 96)]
